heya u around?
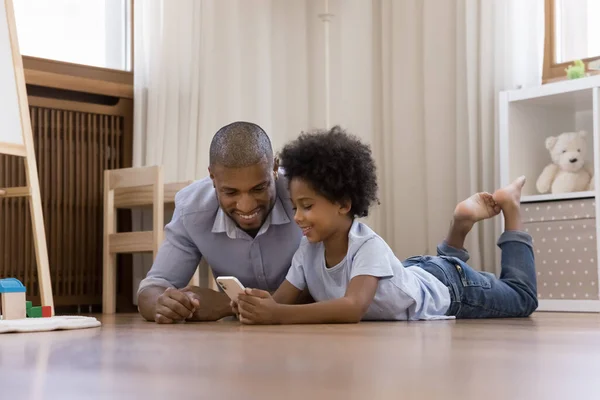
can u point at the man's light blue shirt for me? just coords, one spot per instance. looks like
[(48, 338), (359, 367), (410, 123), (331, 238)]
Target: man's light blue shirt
[(201, 229)]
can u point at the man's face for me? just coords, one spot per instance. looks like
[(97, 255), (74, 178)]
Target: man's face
[(246, 194)]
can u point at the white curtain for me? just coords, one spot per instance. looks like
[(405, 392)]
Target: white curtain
[(201, 64), (417, 79), (437, 68)]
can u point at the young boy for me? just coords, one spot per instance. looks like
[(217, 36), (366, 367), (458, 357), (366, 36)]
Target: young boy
[(353, 275)]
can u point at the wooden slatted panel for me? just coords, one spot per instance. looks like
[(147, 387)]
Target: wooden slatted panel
[(72, 149), (12, 221)]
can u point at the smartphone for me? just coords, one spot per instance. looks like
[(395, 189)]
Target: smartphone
[(231, 285)]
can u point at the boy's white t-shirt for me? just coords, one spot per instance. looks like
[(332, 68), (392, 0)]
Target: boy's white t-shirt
[(403, 293)]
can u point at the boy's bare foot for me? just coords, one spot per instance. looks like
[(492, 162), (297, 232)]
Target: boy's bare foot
[(510, 195), (484, 205), (509, 199), (477, 207), (467, 213)]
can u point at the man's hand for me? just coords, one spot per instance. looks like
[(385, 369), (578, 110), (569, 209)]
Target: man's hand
[(175, 305), (213, 305), (257, 307)]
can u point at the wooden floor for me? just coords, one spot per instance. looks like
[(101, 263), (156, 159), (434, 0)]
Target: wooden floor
[(549, 356)]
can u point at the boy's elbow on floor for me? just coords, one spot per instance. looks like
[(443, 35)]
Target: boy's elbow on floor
[(358, 315), (355, 318), (350, 320), (354, 313)]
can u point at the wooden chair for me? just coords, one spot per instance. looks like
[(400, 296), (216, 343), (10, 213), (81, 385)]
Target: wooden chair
[(132, 188)]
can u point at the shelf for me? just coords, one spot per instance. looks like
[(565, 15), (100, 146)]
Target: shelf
[(568, 305), (555, 197), (527, 122), (581, 100), (566, 91), (527, 117)]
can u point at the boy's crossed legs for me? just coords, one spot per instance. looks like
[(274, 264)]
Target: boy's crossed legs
[(482, 295)]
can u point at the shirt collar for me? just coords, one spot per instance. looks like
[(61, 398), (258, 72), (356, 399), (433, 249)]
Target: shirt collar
[(224, 224)]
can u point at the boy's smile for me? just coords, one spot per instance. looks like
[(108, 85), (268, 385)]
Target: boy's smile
[(306, 230), (319, 218)]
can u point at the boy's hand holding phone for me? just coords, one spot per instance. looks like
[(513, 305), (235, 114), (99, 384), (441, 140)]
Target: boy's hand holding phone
[(251, 306), (258, 307)]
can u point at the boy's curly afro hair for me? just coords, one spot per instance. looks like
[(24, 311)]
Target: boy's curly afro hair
[(337, 165)]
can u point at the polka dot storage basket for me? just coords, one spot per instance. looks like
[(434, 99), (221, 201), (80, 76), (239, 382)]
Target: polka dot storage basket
[(565, 246)]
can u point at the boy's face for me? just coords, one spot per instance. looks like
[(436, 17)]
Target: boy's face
[(318, 217)]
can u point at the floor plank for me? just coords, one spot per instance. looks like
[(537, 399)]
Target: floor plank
[(548, 356)]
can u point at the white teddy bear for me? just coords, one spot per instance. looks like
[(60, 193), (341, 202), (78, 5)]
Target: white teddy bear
[(569, 172)]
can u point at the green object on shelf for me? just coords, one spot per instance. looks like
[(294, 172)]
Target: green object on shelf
[(34, 312), (28, 305), (576, 70)]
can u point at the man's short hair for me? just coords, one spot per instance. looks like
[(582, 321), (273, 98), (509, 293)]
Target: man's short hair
[(240, 144)]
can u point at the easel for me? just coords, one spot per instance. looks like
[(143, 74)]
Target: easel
[(16, 139)]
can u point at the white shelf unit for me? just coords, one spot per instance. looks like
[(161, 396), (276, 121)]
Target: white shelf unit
[(526, 118), (562, 196)]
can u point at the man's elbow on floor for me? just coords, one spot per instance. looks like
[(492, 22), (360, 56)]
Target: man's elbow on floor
[(147, 300), (145, 314)]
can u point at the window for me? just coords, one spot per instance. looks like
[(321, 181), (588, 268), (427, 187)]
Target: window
[(88, 32), (572, 33)]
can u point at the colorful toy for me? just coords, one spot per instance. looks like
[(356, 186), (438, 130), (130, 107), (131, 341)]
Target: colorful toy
[(13, 299), (576, 70), (39, 312), (14, 305), (15, 313), (46, 311), (34, 312)]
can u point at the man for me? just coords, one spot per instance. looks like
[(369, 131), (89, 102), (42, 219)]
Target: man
[(239, 219)]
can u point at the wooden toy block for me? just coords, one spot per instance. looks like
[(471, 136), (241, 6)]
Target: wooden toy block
[(34, 312), (12, 292), (13, 306), (46, 311), (28, 305)]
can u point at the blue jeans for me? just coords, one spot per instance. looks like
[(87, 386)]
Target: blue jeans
[(477, 294)]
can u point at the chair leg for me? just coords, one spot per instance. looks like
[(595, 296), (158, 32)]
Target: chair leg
[(109, 260), (212, 284), (195, 281), (109, 284), (158, 211)]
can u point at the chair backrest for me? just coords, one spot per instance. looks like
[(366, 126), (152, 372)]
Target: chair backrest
[(140, 196), (134, 183), (133, 177)]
